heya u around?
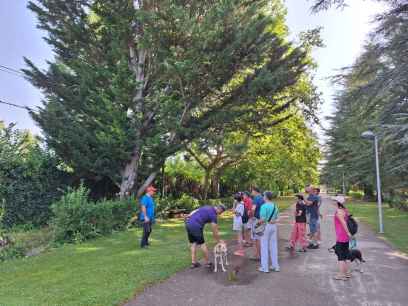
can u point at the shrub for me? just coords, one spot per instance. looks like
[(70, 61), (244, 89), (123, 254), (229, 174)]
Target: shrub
[(356, 195), (77, 219), (167, 206)]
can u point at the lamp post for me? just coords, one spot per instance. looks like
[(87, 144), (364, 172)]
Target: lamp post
[(372, 136)]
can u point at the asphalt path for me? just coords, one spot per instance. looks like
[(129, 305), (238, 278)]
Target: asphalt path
[(306, 279)]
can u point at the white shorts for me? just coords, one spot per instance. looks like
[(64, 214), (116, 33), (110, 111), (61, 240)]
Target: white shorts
[(237, 226), (253, 235)]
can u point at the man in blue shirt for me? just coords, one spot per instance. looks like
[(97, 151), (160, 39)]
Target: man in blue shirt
[(312, 203), (258, 201), (195, 223), (147, 214)]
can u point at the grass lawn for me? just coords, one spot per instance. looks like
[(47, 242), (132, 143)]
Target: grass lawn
[(395, 222), (102, 272)]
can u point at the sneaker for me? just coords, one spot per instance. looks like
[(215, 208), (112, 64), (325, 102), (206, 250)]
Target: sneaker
[(303, 250), (274, 269), (289, 248), (195, 265), (313, 246), (260, 270)]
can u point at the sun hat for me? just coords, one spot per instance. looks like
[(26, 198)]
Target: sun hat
[(339, 199)]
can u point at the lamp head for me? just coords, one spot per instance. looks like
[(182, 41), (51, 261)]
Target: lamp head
[(368, 135)]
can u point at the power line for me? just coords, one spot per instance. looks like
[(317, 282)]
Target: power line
[(15, 105), (11, 69), (12, 73)]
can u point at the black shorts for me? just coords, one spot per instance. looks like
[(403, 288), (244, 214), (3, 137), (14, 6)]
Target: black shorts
[(342, 251), (195, 235)]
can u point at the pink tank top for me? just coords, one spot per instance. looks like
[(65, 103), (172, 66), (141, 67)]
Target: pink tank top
[(341, 234)]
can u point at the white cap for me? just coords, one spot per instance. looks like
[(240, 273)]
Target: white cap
[(339, 199)]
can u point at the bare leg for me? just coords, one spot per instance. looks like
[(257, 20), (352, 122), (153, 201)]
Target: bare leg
[(193, 249), (240, 242), (205, 252), (258, 248)]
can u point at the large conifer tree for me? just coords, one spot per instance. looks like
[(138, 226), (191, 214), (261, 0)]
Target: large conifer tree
[(132, 82)]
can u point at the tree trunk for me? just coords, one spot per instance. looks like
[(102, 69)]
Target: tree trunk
[(206, 183), (129, 174), (137, 63), (368, 193)]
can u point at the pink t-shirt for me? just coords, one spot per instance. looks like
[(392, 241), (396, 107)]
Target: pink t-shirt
[(341, 233)]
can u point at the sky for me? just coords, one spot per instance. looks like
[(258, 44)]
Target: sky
[(344, 34)]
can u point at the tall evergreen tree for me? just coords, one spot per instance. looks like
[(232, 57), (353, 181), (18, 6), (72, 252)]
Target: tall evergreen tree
[(134, 81)]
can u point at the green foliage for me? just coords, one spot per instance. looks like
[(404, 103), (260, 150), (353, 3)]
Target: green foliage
[(31, 179), (167, 206), (77, 219), (373, 96), (283, 159), (356, 195), (131, 86)]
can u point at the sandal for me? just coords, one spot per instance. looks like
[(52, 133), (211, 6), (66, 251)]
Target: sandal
[(340, 277), (195, 265)]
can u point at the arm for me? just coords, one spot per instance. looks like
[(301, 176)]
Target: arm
[(216, 234), (341, 216), (146, 218)]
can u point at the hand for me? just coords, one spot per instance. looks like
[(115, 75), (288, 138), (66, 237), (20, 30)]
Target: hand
[(146, 219)]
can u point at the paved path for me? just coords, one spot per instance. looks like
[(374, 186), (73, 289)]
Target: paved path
[(304, 280)]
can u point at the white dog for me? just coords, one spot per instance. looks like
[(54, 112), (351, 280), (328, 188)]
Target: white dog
[(220, 254)]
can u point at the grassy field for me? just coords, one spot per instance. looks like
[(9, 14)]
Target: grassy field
[(395, 222), (102, 272)]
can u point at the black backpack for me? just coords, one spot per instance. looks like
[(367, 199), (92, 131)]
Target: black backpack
[(352, 225), (245, 216)]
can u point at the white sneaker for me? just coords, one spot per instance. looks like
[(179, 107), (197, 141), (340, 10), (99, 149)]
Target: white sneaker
[(274, 269), (260, 270)]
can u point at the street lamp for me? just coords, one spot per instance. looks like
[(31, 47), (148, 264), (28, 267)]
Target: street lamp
[(372, 136)]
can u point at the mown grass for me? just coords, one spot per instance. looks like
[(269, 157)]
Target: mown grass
[(104, 271), (395, 222)]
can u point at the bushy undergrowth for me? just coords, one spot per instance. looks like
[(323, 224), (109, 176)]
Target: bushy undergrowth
[(76, 218)]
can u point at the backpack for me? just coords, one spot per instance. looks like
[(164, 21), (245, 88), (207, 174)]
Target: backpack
[(352, 225), (245, 216)]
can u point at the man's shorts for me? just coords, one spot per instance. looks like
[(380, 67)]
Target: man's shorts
[(313, 225), (342, 251), (195, 235)]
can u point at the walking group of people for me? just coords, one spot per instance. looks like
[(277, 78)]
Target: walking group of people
[(255, 224)]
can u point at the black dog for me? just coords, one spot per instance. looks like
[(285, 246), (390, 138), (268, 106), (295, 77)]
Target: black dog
[(355, 256)]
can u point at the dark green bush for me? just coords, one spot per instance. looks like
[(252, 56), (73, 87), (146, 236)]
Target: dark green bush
[(77, 219), (31, 179)]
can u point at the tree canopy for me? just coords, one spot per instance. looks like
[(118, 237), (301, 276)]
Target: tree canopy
[(133, 82)]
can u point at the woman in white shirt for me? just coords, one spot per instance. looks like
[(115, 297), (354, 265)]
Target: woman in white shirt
[(237, 226)]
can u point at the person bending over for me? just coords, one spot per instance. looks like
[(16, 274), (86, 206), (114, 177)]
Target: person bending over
[(195, 223)]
